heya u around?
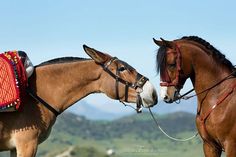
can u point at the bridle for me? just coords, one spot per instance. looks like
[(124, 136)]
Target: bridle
[(166, 82), (137, 85)]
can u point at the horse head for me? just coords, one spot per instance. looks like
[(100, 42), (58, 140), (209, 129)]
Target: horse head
[(174, 71), (121, 81)]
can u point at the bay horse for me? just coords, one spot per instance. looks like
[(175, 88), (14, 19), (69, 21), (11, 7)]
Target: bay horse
[(214, 80), (57, 84)]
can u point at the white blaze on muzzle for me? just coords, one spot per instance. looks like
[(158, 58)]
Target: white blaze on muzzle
[(163, 92), (148, 95)]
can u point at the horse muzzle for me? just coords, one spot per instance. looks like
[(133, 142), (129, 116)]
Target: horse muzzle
[(148, 95), (169, 94)]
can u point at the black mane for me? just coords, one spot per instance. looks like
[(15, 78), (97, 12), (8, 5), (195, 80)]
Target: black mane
[(62, 60), (214, 52)]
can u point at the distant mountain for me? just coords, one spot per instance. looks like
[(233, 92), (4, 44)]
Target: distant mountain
[(92, 112), (139, 125)]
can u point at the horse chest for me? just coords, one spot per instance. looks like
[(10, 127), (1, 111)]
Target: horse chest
[(201, 126)]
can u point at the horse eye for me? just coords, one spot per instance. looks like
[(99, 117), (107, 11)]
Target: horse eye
[(172, 65), (121, 69)]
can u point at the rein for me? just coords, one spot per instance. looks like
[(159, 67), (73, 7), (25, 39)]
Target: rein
[(185, 97)]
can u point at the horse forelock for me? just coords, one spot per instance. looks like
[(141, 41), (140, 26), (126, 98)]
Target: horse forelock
[(161, 61)]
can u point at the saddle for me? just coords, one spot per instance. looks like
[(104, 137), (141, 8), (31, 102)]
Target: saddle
[(13, 79)]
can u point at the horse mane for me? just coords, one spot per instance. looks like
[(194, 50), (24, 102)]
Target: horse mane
[(62, 60), (212, 50)]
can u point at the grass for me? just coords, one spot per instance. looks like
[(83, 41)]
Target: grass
[(127, 146)]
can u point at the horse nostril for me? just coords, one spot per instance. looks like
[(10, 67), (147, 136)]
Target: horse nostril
[(166, 97), (154, 97)]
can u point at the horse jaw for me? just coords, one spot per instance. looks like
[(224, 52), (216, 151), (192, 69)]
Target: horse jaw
[(149, 95)]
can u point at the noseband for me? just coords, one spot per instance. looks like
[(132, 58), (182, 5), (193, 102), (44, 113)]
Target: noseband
[(137, 85)]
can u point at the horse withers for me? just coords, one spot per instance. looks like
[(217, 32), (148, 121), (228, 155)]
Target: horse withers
[(213, 78), (59, 83)]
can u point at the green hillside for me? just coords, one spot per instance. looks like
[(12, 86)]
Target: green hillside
[(129, 136)]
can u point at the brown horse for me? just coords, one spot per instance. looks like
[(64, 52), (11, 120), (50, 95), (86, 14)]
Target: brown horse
[(61, 83), (213, 78)]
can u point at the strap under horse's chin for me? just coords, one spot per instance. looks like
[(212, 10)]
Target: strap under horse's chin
[(139, 104)]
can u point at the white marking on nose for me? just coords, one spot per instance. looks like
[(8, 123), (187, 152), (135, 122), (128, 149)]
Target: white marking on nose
[(163, 92), (149, 95)]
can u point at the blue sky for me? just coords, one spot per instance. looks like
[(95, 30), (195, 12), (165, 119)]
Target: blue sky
[(49, 29)]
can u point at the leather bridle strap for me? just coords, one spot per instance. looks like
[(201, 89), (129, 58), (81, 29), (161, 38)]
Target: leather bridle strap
[(117, 87), (117, 84), (219, 101), (140, 81), (185, 97), (126, 92), (175, 82), (105, 68)]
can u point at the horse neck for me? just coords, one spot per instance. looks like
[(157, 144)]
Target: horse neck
[(62, 85), (206, 70)]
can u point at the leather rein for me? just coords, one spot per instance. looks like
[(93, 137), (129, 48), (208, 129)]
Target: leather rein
[(138, 86)]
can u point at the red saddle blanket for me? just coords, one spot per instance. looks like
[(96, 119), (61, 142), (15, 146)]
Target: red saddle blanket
[(13, 81)]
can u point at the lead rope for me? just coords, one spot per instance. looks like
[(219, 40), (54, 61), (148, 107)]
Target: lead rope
[(166, 134), (158, 125), (126, 105)]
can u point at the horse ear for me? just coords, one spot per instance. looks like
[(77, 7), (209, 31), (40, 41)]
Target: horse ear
[(96, 55), (167, 43), (158, 42), (163, 42)]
